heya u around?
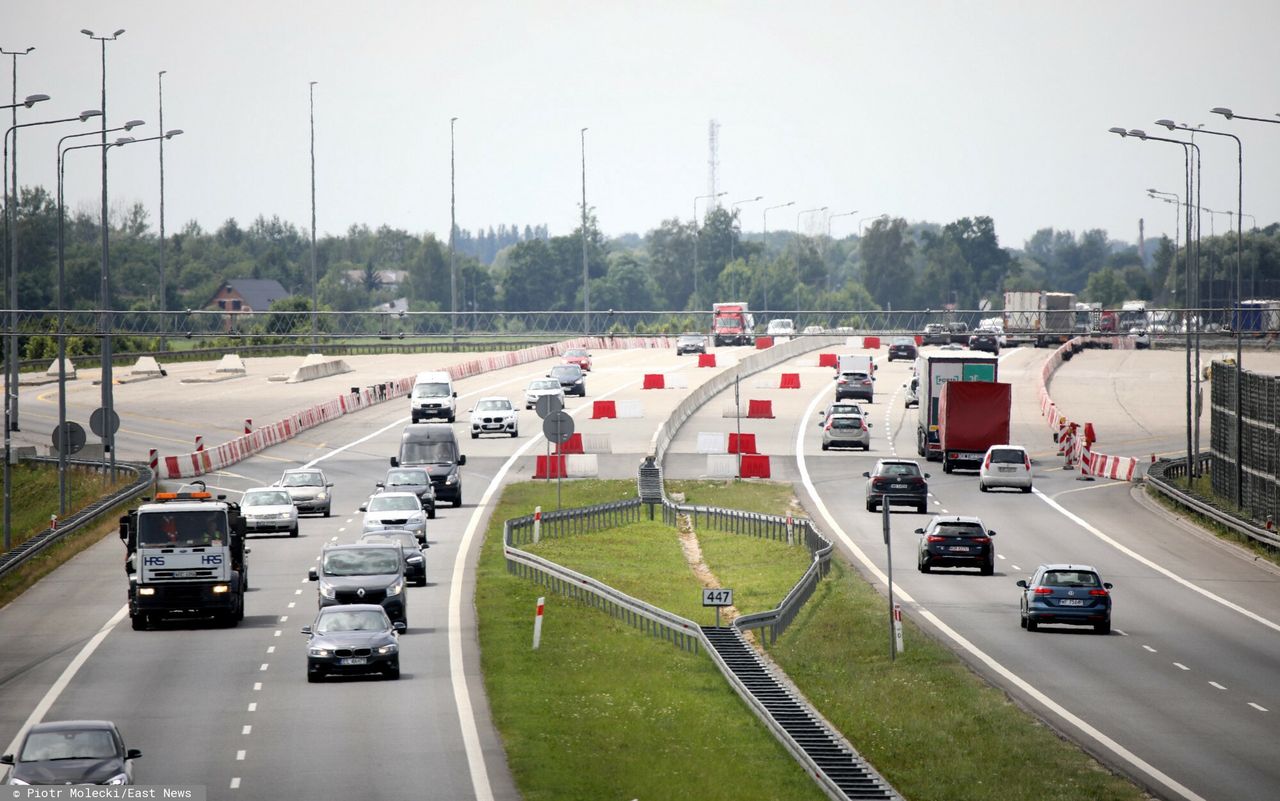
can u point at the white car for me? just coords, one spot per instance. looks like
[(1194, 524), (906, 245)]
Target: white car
[(269, 510), (781, 327), (1005, 466), (542, 386), (494, 416), (395, 510), (1141, 339)]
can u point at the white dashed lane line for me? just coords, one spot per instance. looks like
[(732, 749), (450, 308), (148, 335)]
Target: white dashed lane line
[(1257, 707), (247, 729), (257, 686), (240, 756), (253, 707), (265, 665), (1149, 648), (1216, 684), (235, 783), (1180, 666)]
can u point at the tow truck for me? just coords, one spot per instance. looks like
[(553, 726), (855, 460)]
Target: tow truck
[(185, 557)]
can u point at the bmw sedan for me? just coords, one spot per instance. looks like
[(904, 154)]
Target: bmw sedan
[(269, 510), (395, 510), (1074, 595), (897, 481), (352, 639), (902, 348), (956, 541), (571, 379), (71, 752)]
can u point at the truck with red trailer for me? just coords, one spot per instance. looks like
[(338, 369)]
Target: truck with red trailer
[(732, 324), (972, 416), (936, 370)]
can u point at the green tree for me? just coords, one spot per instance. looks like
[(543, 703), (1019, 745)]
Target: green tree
[(1106, 286), (887, 252)]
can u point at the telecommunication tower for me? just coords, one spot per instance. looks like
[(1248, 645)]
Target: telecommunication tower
[(713, 163)]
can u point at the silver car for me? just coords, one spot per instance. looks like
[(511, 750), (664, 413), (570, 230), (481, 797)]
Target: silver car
[(269, 510), (309, 490), (846, 431), (839, 407), (542, 386), (395, 510)]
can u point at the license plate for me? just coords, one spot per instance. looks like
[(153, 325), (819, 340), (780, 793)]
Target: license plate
[(1006, 470), (1071, 602), (962, 548), (185, 574), (897, 486), (354, 660)]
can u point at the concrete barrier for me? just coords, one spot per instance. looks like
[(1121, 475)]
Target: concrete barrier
[(231, 363), (722, 465), (318, 369), (712, 442), (52, 372)]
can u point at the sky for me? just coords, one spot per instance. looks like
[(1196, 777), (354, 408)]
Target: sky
[(925, 110)]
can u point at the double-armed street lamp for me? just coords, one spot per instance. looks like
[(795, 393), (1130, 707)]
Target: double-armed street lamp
[(830, 217), (764, 251), (733, 241), (695, 234)]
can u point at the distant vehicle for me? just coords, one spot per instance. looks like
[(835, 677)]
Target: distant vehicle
[(353, 639), (839, 407), (571, 379), (934, 370), (393, 511), (412, 479), (846, 430), (781, 327), (1074, 595), (691, 343), (539, 387), (732, 324), (1133, 314), (494, 415), (972, 416), (351, 574), (911, 396), (309, 490), (65, 752), (958, 333), (956, 541), (411, 547), (433, 396), (434, 446), (1057, 323), (1005, 466), (935, 334), (813, 329), (580, 357), (269, 510), (902, 348), (985, 340), (1141, 339), (897, 482), (855, 385)]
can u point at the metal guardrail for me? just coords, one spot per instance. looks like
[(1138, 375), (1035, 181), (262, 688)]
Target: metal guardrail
[(14, 557), (1160, 476)]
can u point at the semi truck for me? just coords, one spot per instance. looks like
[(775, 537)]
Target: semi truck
[(732, 324), (1043, 318), (935, 370), (185, 557), (972, 416), (1021, 316), (1058, 321)]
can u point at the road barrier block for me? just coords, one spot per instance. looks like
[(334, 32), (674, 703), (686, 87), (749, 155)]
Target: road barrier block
[(763, 343), (601, 410), (827, 360), (712, 442), (871, 343), (706, 360), (762, 409), (596, 443), (572, 445), (654, 381), (789, 381), (742, 443), (676, 380), (630, 409), (552, 467), (755, 465), (722, 465)]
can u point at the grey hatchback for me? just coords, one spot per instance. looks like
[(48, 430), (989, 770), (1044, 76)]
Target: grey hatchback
[(1070, 594)]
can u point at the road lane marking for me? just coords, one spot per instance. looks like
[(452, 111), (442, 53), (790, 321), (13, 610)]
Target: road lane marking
[(257, 686), (265, 665), (1008, 675), (1152, 650), (235, 783), (240, 756), (1257, 707), (253, 707), (1180, 666), (247, 729), (1216, 684)]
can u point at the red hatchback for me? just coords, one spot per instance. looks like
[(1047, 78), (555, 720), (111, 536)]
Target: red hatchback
[(580, 357)]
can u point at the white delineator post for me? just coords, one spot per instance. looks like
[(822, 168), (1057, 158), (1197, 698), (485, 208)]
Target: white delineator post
[(154, 458), (248, 425), (537, 532), (897, 626), (199, 442), (537, 623)]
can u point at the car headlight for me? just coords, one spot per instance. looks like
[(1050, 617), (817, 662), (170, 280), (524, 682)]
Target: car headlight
[(387, 649), (327, 591), (320, 496), (319, 652), (119, 778), (414, 560), (14, 781), (452, 478), (395, 589)]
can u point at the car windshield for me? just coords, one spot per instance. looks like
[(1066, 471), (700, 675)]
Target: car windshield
[(47, 745), (404, 539), (1007, 456), (493, 406), (432, 390), (728, 322), (394, 503), (350, 620), (427, 452), (1070, 578), (266, 498), (187, 529), (407, 478), (566, 371), (903, 342), (694, 338), (576, 352), (301, 480), (361, 562), (959, 529), (544, 383), (933, 328), (898, 469), (844, 408), (847, 422)]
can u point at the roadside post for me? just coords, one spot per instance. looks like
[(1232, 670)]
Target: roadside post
[(537, 623), (894, 627)]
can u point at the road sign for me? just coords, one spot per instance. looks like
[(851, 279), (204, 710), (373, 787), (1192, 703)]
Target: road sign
[(720, 596), (74, 435), (558, 427), (99, 415), (548, 404)]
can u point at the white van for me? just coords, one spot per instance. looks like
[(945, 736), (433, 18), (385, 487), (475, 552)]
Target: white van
[(433, 396), (855, 363)]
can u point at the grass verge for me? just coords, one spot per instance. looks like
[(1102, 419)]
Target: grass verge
[(1202, 488)]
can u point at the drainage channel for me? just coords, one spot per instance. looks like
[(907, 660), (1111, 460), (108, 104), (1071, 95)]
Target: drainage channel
[(842, 766)]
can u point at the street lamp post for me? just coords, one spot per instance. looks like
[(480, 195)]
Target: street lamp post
[(695, 235), (798, 216), (163, 306), (453, 229), (830, 217), (11, 361), (764, 250), (873, 217), (733, 241), (586, 278), (315, 290)]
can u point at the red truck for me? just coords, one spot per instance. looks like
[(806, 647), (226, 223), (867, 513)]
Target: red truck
[(972, 416), (732, 324)]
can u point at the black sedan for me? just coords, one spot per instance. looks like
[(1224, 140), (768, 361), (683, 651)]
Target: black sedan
[(414, 552), (988, 341), (412, 479), (956, 541), (72, 752), (571, 379), (1072, 594), (902, 348), (352, 639), (897, 481)]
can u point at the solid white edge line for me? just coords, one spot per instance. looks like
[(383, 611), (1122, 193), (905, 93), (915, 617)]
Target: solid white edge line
[(457, 674), (1008, 675), (68, 674)]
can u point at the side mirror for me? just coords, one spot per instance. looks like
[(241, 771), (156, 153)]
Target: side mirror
[(990, 533), (133, 753), (462, 460), (399, 627), (395, 462), (7, 759), (380, 485), (455, 394), (306, 629), (866, 475), (870, 425), (926, 475), (329, 485), (364, 507), (1022, 583), (313, 575), (919, 531), (1106, 584)]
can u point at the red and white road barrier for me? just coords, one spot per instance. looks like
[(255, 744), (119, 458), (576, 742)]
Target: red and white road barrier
[(654, 381), (537, 623), (754, 465), (248, 425), (827, 360), (199, 443), (761, 409), (789, 381), (706, 360)]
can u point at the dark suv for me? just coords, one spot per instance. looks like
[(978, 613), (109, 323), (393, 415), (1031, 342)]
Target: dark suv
[(983, 339), (1071, 594), (897, 481), (956, 541), (363, 574), (958, 333), (902, 348)]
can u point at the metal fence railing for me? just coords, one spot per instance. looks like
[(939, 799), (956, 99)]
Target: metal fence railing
[(15, 556), (1255, 478), (1168, 477)]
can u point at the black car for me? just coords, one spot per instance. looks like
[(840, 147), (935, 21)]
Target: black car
[(897, 482), (571, 379), (691, 343), (958, 333), (414, 552), (956, 541), (1072, 594), (988, 341), (902, 348), (353, 639), (362, 574), (412, 479), (72, 752), (935, 334)]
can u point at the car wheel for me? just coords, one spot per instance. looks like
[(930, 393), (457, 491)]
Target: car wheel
[(923, 567), (1022, 621), (515, 433), (982, 487), (474, 435), (1102, 628), (1026, 489), (457, 501), (314, 676), (393, 671), (826, 447), (452, 418), (921, 508), (140, 622), (946, 466), (1032, 625), (422, 582), (871, 506), (431, 513), (293, 532), (326, 511), (989, 569)]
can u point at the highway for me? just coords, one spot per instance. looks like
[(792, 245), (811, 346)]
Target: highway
[(1181, 696)]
